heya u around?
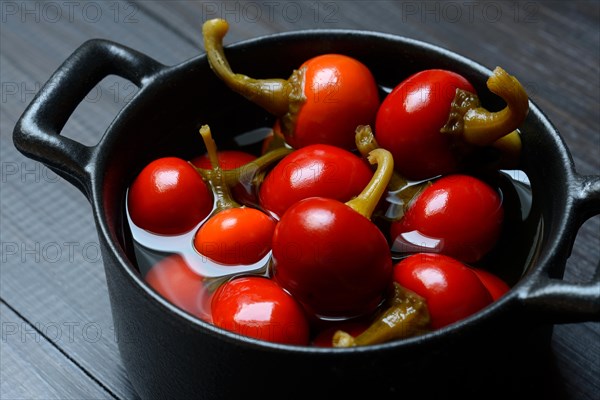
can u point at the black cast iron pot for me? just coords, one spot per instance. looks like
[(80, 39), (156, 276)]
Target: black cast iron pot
[(171, 354)]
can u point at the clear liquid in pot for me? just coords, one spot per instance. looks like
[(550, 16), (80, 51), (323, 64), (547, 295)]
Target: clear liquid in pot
[(521, 236)]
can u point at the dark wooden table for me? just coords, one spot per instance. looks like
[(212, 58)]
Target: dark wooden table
[(57, 337)]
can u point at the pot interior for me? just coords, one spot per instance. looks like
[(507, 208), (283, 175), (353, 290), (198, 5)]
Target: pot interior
[(165, 116)]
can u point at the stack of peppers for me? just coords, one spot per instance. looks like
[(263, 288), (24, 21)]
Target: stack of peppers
[(370, 213)]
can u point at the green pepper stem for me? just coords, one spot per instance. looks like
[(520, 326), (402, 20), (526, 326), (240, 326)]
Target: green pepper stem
[(407, 315), (223, 197), (482, 127), (247, 172), (400, 190), (367, 200), (365, 143), (271, 94), (365, 140)]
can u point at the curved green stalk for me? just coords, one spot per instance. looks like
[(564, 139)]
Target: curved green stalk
[(405, 316), (367, 200), (221, 191), (270, 94)]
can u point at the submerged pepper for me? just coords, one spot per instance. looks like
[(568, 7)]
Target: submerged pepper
[(405, 315)]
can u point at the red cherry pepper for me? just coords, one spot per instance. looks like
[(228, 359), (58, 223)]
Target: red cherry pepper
[(433, 120), (496, 286), (322, 102), (236, 236), (409, 121), (452, 290), (175, 280), (315, 170), (169, 197), (457, 215), (233, 234), (330, 256), (258, 307)]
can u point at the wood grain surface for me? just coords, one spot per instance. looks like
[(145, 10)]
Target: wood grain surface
[(58, 341)]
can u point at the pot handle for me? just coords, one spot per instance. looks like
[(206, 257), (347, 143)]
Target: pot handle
[(558, 301), (37, 133)]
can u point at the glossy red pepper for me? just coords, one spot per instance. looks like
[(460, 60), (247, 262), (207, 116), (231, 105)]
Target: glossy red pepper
[(233, 234), (236, 236), (458, 215), (315, 170), (322, 102), (451, 289), (330, 256), (409, 121), (432, 121), (258, 307), (169, 197)]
